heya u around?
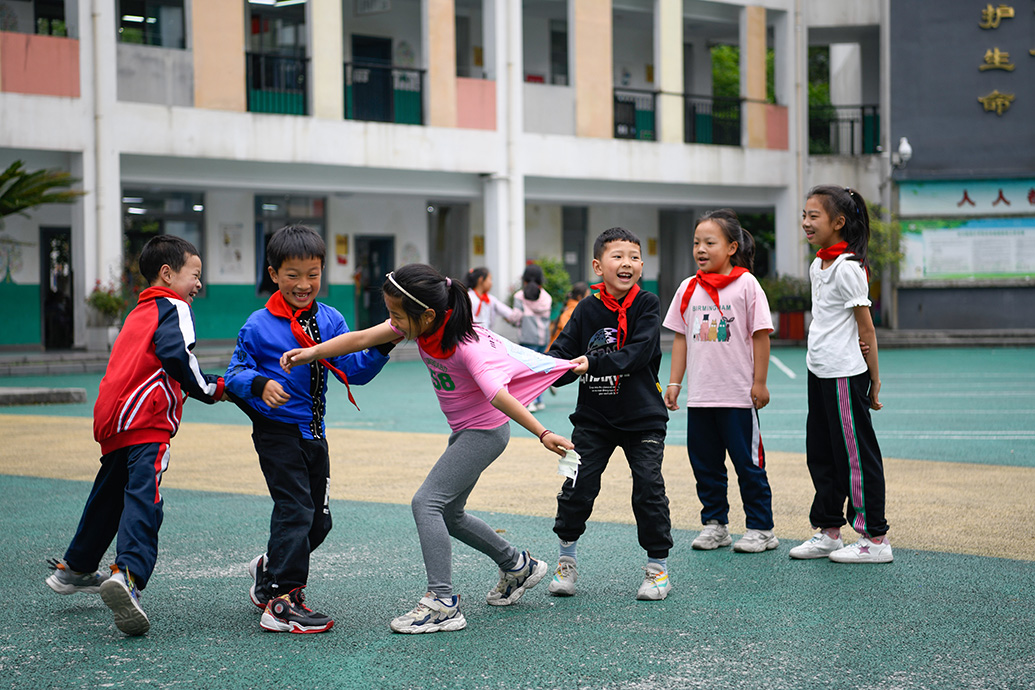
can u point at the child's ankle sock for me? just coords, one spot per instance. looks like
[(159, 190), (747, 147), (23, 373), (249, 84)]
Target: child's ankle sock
[(660, 562), (568, 548)]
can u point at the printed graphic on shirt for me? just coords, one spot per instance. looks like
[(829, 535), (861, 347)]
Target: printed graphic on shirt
[(535, 361), (710, 325), (604, 341)]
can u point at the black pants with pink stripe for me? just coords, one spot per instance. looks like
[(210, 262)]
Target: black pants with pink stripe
[(843, 457)]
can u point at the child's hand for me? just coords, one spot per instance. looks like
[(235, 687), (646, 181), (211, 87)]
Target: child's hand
[(557, 443), (874, 389), (274, 395), (296, 357), (864, 348), (581, 366), (759, 395), (672, 397)]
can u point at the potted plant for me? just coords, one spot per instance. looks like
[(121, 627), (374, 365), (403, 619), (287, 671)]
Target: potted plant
[(107, 304), (789, 298)]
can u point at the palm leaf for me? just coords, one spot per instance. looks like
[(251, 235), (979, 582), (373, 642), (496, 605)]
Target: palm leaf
[(21, 190)]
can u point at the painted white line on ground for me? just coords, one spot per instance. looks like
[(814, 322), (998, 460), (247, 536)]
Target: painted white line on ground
[(782, 367)]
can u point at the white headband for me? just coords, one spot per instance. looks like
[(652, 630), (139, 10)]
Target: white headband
[(391, 278)]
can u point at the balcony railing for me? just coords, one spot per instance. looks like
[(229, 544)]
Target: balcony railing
[(277, 84), (712, 120), (634, 114), (844, 130), (383, 93)]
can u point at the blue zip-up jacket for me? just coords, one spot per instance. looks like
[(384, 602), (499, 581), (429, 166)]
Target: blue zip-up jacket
[(256, 359)]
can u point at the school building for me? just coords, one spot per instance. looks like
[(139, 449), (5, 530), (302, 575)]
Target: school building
[(455, 132)]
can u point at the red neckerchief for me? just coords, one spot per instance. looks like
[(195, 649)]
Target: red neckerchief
[(836, 250), (712, 283), (156, 292), (620, 309), (482, 298), (278, 306), (432, 342)]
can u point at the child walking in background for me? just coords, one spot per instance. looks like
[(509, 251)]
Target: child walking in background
[(841, 448), (484, 306), (287, 414), (138, 410), (533, 304), (579, 291), (482, 381), (619, 404), (722, 324)]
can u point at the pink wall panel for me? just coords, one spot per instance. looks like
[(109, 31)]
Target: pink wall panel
[(43, 65), (476, 103), (776, 127)]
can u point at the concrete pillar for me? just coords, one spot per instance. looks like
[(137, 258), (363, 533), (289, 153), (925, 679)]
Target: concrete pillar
[(845, 74), (107, 201), (668, 56), (752, 74), (594, 58), (327, 59), (439, 29), (217, 33)]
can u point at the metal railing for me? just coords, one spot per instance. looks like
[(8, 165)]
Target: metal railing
[(277, 84), (383, 93), (844, 130), (634, 114), (711, 120)]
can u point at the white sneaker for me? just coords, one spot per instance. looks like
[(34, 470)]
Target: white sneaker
[(655, 585), (756, 541), (563, 582), (864, 551), (431, 614), (121, 595), (712, 536), (820, 546)]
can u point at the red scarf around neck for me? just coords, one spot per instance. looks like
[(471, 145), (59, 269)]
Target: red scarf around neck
[(278, 306), (620, 309), (834, 251), (431, 342), (483, 298), (712, 283)]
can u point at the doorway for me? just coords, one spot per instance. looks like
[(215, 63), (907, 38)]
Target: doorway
[(371, 82), (675, 251), (56, 288), (447, 238), (375, 257), (574, 222)]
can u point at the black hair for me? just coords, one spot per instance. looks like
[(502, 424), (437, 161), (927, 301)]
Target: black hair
[(613, 235), (533, 279), (726, 219), (295, 241), (475, 275), (438, 293), (848, 203), (579, 290), (161, 250)]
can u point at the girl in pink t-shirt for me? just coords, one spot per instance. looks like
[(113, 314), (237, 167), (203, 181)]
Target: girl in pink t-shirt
[(482, 381), (722, 324)]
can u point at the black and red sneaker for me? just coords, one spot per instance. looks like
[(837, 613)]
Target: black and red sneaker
[(288, 613)]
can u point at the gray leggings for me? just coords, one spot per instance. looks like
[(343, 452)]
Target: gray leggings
[(438, 506)]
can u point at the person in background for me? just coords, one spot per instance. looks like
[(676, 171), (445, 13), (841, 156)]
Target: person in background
[(534, 303), (484, 306)]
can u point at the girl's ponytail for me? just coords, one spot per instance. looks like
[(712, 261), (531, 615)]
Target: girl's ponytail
[(533, 279), (460, 326)]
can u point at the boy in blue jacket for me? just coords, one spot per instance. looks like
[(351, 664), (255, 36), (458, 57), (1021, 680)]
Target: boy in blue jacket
[(287, 413)]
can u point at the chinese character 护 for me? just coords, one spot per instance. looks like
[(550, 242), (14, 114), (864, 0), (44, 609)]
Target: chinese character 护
[(991, 16)]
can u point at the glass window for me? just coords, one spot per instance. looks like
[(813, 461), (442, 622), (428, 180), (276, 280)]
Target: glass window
[(151, 22), (274, 212), (50, 17), (146, 213), (277, 30)]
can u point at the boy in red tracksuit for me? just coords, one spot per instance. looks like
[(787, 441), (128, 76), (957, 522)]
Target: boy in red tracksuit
[(138, 409)]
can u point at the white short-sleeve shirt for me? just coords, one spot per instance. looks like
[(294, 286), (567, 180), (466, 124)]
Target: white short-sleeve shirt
[(834, 334)]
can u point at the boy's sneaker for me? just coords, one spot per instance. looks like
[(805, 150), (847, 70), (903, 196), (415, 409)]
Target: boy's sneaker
[(64, 580), (513, 583), (259, 591), (288, 613), (756, 541), (431, 614), (712, 536), (655, 585), (820, 546), (563, 582), (121, 595), (864, 551)]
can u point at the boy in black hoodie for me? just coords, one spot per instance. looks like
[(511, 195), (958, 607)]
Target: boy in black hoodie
[(620, 404)]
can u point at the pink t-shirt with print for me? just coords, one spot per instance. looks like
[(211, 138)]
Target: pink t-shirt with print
[(720, 360)]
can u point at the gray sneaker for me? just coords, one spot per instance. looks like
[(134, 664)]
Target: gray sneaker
[(563, 582), (513, 583), (64, 580), (712, 536), (756, 541)]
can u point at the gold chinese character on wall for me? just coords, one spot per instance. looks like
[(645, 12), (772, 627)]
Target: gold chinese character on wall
[(997, 102), (997, 59), (991, 16)]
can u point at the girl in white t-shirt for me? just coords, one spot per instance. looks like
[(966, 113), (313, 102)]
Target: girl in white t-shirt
[(722, 324), (485, 306), (482, 382), (840, 445)]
